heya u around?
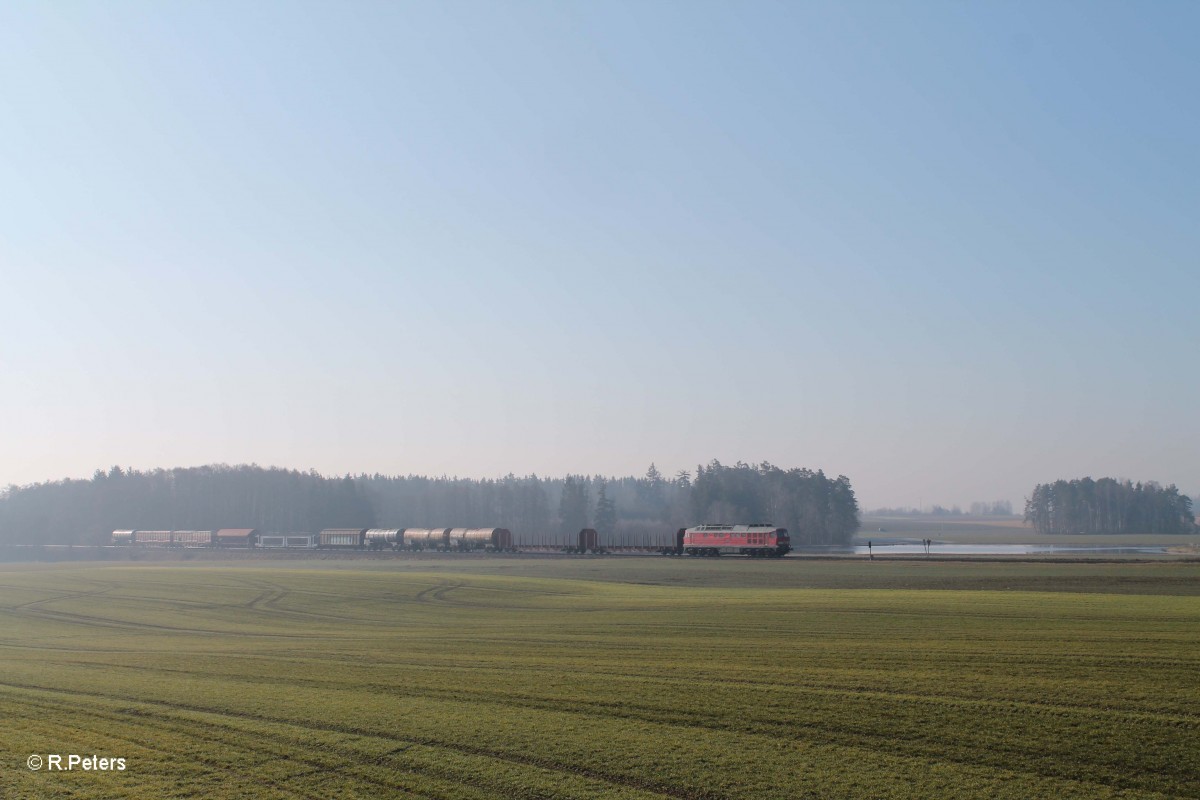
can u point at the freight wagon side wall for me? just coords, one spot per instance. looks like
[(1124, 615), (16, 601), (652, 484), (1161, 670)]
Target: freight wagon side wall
[(193, 538), (156, 538), (341, 539)]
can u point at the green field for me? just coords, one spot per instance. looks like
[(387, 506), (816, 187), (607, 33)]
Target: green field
[(604, 678)]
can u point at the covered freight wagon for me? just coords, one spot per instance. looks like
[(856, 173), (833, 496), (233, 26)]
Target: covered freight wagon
[(122, 537), (192, 538), (341, 537), (151, 538), (235, 537)]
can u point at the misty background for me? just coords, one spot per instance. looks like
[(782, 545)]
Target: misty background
[(946, 250), (643, 510)]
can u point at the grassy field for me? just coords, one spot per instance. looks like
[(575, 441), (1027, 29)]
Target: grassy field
[(606, 678)]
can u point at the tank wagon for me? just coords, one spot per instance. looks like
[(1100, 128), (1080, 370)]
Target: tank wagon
[(382, 538), (427, 538), (747, 540), (480, 538)]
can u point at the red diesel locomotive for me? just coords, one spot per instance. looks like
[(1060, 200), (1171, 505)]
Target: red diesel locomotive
[(748, 540)]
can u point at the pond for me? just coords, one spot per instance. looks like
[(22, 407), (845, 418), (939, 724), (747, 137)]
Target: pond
[(939, 548)]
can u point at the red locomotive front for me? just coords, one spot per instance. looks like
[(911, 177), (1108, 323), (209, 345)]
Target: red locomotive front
[(747, 540)]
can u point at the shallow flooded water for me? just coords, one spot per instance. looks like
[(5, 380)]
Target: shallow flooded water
[(916, 548)]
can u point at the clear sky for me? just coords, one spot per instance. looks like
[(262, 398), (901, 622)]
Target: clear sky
[(947, 249)]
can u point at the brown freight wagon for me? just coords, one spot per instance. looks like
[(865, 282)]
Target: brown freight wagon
[(588, 540), (427, 538), (236, 537), (502, 539), (481, 538)]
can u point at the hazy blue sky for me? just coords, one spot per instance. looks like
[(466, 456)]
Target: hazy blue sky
[(946, 249)]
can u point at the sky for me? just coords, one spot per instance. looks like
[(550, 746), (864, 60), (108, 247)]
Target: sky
[(946, 249)]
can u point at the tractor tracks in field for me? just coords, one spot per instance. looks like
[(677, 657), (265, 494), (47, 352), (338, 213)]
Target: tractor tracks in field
[(249, 774), (436, 593), (211, 732), (403, 743), (1110, 774), (266, 602), (37, 604), (152, 627), (440, 594)]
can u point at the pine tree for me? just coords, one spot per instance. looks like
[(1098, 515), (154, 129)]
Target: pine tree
[(573, 506), (606, 514)]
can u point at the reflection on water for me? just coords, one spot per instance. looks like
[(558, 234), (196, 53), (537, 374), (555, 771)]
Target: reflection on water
[(882, 549)]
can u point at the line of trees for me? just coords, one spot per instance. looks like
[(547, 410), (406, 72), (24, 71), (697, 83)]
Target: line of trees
[(1108, 506), (630, 510), (979, 508), (815, 508), (997, 508), (194, 498)]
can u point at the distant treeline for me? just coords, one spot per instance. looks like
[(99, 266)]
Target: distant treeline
[(979, 508), (630, 510), (1108, 506)]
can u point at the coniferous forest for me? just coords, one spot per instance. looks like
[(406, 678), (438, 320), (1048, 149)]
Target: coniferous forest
[(1108, 506), (815, 508)]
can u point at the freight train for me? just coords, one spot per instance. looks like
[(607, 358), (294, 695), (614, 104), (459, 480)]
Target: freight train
[(225, 537), (446, 539), (756, 541)]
